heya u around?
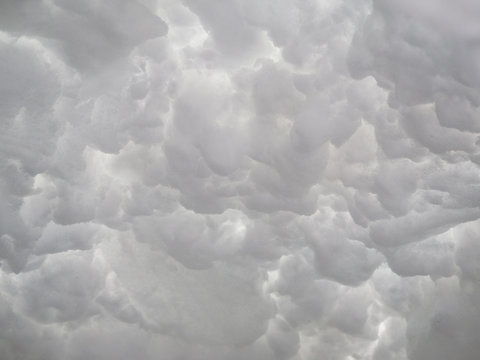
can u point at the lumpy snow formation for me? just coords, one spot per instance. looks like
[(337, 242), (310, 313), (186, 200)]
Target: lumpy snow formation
[(239, 179)]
